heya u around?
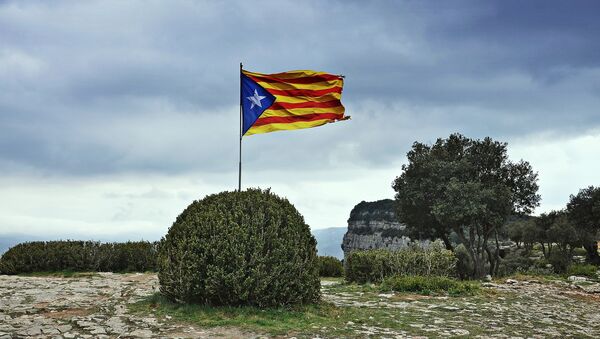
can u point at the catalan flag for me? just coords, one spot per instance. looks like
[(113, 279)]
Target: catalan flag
[(289, 100)]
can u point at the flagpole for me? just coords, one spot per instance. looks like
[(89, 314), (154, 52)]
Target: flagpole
[(241, 124)]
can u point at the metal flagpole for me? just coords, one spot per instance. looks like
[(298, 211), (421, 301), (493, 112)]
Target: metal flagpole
[(241, 124)]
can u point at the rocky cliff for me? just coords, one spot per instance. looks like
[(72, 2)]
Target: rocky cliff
[(374, 225)]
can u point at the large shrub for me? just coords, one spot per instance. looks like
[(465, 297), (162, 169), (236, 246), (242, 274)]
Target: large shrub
[(240, 248), (376, 265), (330, 267), (70, 255)]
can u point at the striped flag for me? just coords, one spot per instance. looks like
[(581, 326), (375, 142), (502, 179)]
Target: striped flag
[(289, 100)]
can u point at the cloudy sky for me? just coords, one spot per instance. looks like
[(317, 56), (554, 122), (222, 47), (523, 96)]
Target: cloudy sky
[(115, 115)]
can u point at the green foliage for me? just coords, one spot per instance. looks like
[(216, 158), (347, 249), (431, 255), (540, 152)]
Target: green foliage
[(514, 262), (330, 267), (579, 251), (375, 210), (240, 248), (79, 256), (376, 265), (523, 231), (584, 212), (563, 233), (586, 270), (464, 264), (464, 186), (560, 261), (428, 285)]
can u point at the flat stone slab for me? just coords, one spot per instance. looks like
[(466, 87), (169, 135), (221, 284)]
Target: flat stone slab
[(86, 307)]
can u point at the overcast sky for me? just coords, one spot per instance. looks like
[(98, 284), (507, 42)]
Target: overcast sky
[(116, 115)]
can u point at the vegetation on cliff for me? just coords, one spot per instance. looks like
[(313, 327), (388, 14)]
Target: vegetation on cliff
[(373, 210)]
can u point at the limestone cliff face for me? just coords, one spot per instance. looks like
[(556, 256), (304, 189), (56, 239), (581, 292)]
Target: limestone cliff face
[(374, 225)]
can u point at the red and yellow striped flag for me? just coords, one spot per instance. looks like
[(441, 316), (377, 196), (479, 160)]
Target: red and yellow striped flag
[(290, 100)]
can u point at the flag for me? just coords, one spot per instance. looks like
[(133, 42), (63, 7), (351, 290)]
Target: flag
[(289, 100)]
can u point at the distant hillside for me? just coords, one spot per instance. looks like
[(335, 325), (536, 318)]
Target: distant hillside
[(329, 241)]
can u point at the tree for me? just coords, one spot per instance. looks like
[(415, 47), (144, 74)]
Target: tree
[(522, 233), (584, 212), (543, 224), (464, 186), (563, 233), (530, 235)]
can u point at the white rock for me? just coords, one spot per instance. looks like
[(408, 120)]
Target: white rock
[(64, 328), (576, 278), (141, 333), (460, 331), (511, 281)]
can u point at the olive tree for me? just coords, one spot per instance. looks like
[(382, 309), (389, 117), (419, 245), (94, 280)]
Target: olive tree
[(464, 186), (584, 212)]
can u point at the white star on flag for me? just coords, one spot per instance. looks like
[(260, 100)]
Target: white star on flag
[(255, 99)]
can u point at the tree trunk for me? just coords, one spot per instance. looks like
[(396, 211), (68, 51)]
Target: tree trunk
[(447, 243), (495, 272), (478, 267), (544, 250), (592, 252), (492, 260)]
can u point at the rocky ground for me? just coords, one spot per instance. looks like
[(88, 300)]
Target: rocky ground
[(94, 306), (97, 306), (507, 309)]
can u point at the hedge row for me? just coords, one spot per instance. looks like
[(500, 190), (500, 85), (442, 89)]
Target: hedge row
[(376, 265), (78, 256)]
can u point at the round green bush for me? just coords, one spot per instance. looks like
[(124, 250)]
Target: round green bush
[(240, 248)]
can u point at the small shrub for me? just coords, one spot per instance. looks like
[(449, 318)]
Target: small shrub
[(580, 251), (330, 267), (516, 261), (559, 260), (240, 248), (586, 270), (429, 285), (464, 264), (376, 265)]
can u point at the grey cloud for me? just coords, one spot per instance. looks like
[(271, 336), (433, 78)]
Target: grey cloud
[(103, 87)]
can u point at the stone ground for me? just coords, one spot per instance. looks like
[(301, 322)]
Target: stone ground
[(96, 307), (87, 307), (507, 309)]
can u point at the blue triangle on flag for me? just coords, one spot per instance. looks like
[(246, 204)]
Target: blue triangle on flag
[(255, 100)]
